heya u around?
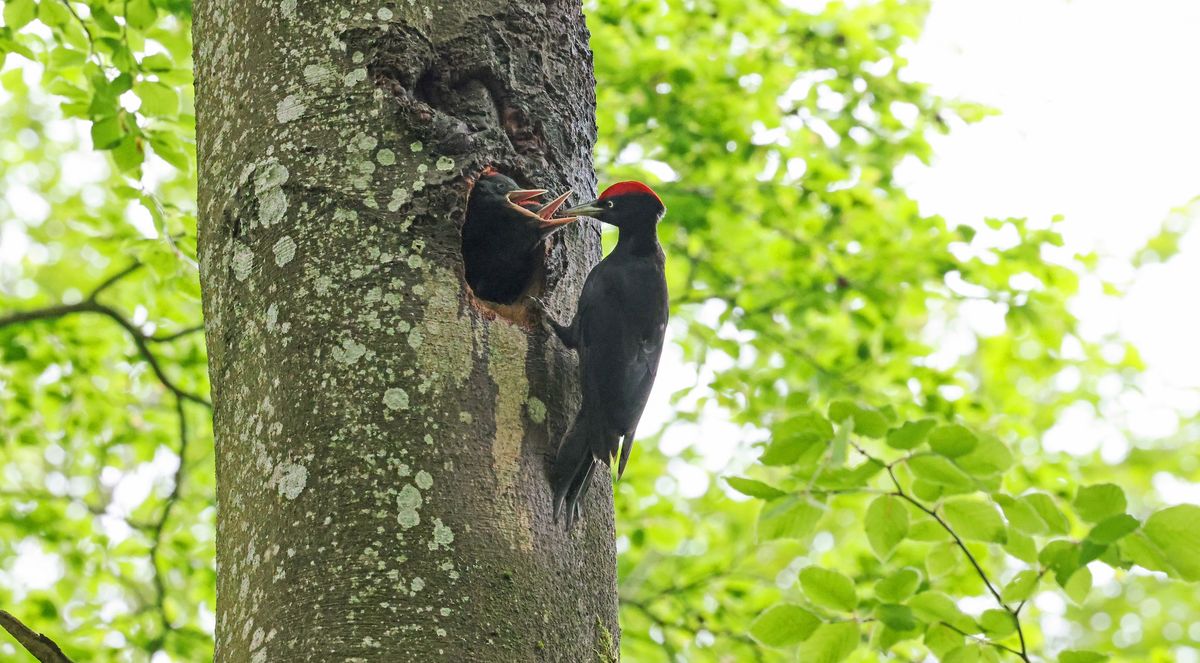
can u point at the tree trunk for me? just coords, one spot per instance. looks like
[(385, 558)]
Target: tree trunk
[(383, 437)]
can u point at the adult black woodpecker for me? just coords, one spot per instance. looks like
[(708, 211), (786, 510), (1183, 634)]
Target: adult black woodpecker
[(618, 331), (503, 235)]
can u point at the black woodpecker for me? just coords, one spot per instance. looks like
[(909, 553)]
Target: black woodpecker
[(618, 331), (503, 234)]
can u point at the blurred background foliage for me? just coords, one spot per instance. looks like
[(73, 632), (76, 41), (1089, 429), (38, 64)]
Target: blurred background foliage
[(816, 311)]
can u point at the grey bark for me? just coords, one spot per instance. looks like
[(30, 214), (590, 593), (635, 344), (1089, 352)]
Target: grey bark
[(382, 438)]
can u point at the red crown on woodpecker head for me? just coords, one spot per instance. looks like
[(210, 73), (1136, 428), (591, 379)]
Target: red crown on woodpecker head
[(627, 188)]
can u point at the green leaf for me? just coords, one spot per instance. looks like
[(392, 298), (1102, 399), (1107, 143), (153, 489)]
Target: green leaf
[(939, 470), (104, 19), (140, 14), (1062, 557), (158, 99), (1048, 511), (107, 133), (1080, 656), (975, 520), (1021, 514), (927, 491), (828, 588), (935, 606), (128, 154), (886, 524), (1139, 549), (787, 518), (795, 436), (910, 435), (952, 441), (997, 623), (867, 421), (784, 625), (157, 62), (830, 643), (850, 477), (754, 488), (1111, 530), (168, 148), (899, 617), (17, 13), (942, 560), (966, 654), (941, 640), (53, 14), (927, 529), (786, 450), (1100, 501), (64, 58), (1176, 532), (1020, 587), (1021, 546), (1079, 585), (989, 457), (898, 586)]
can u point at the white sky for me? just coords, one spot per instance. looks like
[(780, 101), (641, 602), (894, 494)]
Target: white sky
[(1100, 108), (1100, 123)]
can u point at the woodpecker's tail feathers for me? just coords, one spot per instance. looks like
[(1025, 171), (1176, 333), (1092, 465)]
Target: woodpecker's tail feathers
[(626, 448), (571, 475)]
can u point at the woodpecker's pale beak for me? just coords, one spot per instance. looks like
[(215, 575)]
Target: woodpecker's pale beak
[(591, 208)]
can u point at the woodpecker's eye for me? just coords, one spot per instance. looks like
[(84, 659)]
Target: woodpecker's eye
[(608, 204)]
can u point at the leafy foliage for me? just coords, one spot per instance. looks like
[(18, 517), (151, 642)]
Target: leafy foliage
[(888, 498)]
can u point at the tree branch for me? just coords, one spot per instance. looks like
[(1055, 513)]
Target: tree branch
[(984, 641), (90, 305), (112, 280), (42, 648), (174, 336), (899, 492)]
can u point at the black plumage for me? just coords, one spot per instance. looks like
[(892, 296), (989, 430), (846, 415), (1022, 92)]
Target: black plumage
[(618, 331), (503, 236)]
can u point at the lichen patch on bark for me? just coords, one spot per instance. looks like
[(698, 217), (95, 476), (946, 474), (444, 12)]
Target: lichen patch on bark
[(507, 348)]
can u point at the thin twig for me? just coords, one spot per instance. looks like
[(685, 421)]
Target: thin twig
[(950, 530), (983, 641), (42, 648), (1021, 606), (112, 280), (160, 590), (86, 31), (167, 338)]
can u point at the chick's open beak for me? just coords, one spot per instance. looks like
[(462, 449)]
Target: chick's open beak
[(519, 196), (542, 217), (547, 221)]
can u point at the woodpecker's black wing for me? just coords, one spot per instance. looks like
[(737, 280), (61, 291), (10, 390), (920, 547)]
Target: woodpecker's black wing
[(618, 331), (621, 326)]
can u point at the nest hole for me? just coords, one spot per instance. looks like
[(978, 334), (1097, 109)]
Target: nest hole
[(503, 263)]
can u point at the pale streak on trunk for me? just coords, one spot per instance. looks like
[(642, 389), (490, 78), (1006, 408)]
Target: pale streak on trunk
[(382, 438)]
